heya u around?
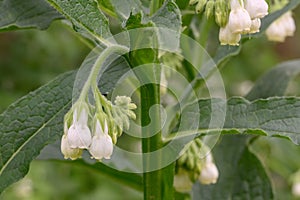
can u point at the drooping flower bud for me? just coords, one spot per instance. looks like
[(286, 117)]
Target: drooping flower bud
[(200, 6), (226, 37), (102, 146), (256, 8), (79, 134), (239, 20), (182, 182), (255, 25), (209, 174), (67, 151), (221, 12), (209, 9)]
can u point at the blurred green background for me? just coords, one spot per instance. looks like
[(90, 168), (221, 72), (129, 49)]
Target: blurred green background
[(31, 58)]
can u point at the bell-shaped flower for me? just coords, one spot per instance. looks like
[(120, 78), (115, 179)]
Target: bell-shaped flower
[(255, 25), (102, 146), (281, 28), (289, 24), (182, 182), (256, 8), (226, 37), (209, 174), (67, 151), (296, 189), (239, 19), (79, 134)]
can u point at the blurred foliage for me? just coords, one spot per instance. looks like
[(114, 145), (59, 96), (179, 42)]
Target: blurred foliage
[(31, 58)]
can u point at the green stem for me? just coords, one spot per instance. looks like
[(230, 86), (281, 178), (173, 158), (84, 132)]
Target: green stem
[(92, 79), (155, 5), (158, 184)]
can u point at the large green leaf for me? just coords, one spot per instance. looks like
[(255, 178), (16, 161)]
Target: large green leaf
[(86, 17), (30, 124), (36, 120), (241, 174), (20, 14), (275, 81), (278, 116)]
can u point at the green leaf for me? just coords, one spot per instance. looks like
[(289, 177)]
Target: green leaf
[(168, 18), (241, 174), (278, 116), (20, 14), (30, 124), (125, 8), (86, 17), (36, 120), (275, 81), (107, 7)]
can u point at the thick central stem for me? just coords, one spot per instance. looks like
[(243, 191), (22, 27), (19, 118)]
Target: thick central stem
[(158, 184), (152, 180)]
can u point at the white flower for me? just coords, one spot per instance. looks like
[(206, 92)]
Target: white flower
[(102, 146), (256, 8), (182, 182), (255, 25), (281, 28), (79, 134), (227, 37), (289, 25), (239, 20), (209, 174), (67, 151), (296, 189)]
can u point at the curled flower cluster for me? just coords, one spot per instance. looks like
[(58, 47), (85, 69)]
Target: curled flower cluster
[(98, 133), (191, 167), (281, 28)]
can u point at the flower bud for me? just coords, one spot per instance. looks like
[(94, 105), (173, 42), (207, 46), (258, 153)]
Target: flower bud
[(67, 151), (209, 9), (182, 182), (221, 12), (226, 37), (255, 25), (209, 174), (102, 146), (256, 8), (200, 6)]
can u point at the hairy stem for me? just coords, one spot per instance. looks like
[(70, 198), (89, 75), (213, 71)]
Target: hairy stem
[(92, 79)]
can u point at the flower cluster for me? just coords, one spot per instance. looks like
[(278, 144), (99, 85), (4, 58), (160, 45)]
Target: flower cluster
[(238, 17), (281, 28), (244, 18), (95, 128), (191, 167)]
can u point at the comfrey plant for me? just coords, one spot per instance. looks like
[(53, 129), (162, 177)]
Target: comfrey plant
[(148, 106)]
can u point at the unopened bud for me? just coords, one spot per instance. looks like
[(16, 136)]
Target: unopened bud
[(200, 6), (221, 12), (209, 9)]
